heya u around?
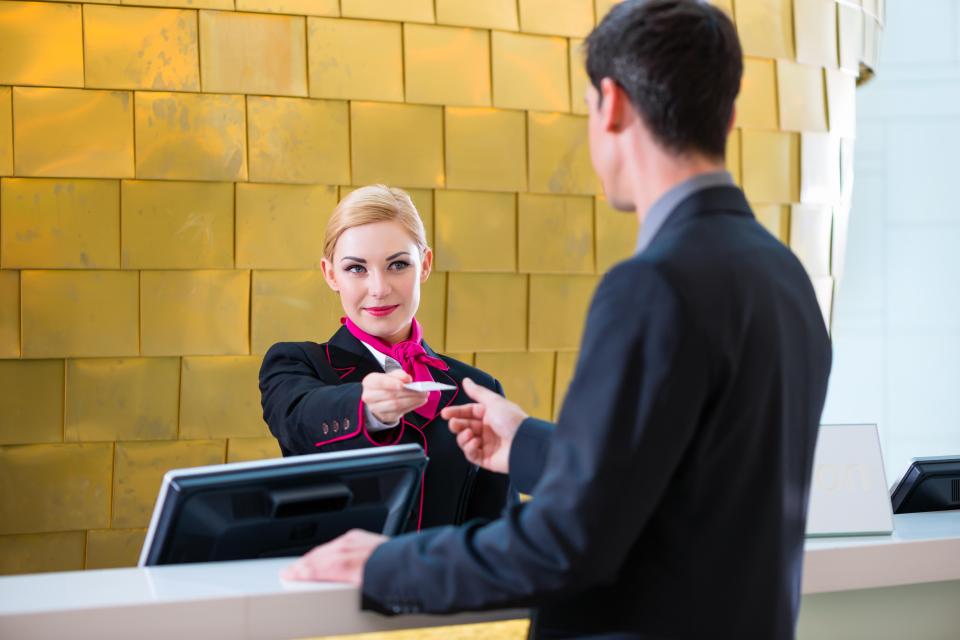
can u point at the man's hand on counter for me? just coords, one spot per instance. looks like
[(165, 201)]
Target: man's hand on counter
[(340, 560)]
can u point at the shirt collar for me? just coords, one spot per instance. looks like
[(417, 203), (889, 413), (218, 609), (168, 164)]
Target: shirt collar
[(658, 213), (382, 358)]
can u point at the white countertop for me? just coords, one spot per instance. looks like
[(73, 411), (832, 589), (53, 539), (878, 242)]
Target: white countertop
[(248, 600)]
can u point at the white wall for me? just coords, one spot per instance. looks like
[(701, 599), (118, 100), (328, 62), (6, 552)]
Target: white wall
[(897, 311)]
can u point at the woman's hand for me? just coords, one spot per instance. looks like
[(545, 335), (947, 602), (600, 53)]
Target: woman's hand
[(387, 399)]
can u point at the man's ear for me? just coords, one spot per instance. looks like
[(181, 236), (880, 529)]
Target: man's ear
[(613, 103), (426, 266), (327, 269)]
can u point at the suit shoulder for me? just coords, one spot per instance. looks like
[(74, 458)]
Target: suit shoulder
[(461, 370), (309, 352)]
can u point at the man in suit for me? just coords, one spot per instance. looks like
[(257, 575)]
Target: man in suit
[(670, 499)]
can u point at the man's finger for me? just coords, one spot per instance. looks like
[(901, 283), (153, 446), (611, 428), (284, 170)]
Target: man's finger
[(459, 424), (466, 411), (478, 393)]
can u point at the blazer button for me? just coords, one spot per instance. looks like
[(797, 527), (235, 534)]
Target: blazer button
[(326, 428), (336, 426), (346, 424)]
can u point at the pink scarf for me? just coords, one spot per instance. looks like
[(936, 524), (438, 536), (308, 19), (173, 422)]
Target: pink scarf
[(411, 356)]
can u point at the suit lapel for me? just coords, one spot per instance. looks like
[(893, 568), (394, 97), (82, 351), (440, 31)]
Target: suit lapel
[(446, 397), (349, 358)]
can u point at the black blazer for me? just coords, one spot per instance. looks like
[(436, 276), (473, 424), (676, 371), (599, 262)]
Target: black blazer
[(670, 500), (310, 395)]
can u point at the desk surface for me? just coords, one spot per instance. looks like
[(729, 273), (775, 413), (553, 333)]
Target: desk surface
[(248, 600)]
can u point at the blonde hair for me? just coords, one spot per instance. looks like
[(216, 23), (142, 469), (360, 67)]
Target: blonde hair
[(374, 203)]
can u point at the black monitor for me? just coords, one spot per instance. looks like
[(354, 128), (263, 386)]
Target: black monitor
[(929, 484), (281, 507)]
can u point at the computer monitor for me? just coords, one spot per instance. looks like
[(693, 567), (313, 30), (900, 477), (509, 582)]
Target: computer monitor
[(929, 484), (281, 507)]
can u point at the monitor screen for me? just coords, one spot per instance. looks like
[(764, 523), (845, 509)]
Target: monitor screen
[(281, 507)]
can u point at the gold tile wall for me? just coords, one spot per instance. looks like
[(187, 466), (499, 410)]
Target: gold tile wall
[(167, 170)]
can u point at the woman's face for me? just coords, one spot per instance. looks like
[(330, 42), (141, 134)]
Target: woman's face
[(377, 269)]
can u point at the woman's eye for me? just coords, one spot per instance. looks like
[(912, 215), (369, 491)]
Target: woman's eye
[(399, 265), (356, 268)]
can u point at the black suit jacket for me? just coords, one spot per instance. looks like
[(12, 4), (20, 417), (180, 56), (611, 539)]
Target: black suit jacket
[(670, 500), (310, 395)]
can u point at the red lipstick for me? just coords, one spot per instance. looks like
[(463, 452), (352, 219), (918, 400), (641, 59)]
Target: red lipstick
[(380, 312)]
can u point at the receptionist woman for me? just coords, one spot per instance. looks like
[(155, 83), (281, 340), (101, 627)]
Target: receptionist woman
[(349, 392)]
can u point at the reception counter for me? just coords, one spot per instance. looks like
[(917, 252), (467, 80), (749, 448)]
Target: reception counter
[(248, 600)]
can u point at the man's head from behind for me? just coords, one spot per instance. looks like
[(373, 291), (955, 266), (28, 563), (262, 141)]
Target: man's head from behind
[(664, 75)]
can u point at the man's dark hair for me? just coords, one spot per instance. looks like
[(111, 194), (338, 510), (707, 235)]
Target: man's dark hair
[(680, 63)]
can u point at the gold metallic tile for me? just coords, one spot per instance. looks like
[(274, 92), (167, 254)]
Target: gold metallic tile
[(560, 154), (476, 231), (850, 30), (78, 313), (842, 103), (253, 53), (602, 8), (397, 144), (186, 4), (55, 487), (756, 106), (555, 234), (567, 18), (725, 5), (245, 449), (219, 398), (530, 72), (298, 140), (59, 223), (184, 136), (775, 218), (447, 65), (41, 552), (558, 310), (819, 168), (766, 28), (489, 14), (733, 156), (771, 166), (815, 26), (527, 378), (194, 312), (41, 44), (432, 314), (6, 131), (110, 399), (134, 48), (486, 149), (803, 106), (281, 226), (31, 401), (467, 358), (9, 314), (292, 306), (75, 133), (616, 234), (811, 229), (297, 7), (177, 225), (566, 363), (486, 312), (578, 77), (398, 10), (355, 59), (113, 548), (139, 470)]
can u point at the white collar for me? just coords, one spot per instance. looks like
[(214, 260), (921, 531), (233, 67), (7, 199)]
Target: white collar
[(382, 358)]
